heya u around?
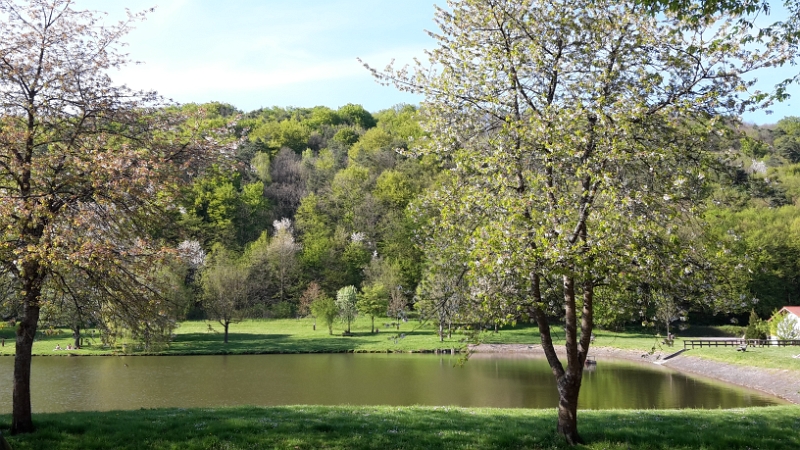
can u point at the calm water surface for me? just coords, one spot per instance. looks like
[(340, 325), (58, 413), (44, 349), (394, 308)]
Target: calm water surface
[(133, 382)]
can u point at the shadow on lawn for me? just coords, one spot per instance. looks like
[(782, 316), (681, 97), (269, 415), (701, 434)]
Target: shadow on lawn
[(306, 427), (201, 343)]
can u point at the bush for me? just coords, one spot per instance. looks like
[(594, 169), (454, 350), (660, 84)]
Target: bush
[(756, 328), (282, 310)]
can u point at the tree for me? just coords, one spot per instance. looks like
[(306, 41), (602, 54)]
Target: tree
[(784, 326), (346, 303), (282, 255), (577, 134), (312, 292), (85, 167), (225, 288), (356, 115), (667, 310), (788, 141), (325, 309), (756, 328), (373, 301)]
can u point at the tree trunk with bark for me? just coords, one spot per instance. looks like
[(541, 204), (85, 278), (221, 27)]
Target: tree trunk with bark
[(76, 335), (21, 419), (568, 380)]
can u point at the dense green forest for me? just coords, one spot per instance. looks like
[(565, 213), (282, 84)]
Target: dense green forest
[(315, 199)]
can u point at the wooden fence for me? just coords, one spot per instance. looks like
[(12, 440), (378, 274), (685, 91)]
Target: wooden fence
[(692, 343)]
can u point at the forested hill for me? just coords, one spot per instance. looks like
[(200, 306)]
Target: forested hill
[(316, 195), (321, 196)]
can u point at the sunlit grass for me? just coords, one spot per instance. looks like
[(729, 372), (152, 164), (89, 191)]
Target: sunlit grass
[(347, 427), (299, 336)]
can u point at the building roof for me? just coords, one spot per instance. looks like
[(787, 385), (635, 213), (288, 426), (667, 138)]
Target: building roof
[(792, 309)]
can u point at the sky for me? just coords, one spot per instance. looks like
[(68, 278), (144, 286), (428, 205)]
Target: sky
[(263, 53)]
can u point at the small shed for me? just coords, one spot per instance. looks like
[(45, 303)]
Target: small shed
[(793, 312)]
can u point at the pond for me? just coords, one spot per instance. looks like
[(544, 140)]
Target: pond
[(506, 381)]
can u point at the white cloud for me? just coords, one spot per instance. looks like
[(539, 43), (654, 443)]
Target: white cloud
[(195, 80)]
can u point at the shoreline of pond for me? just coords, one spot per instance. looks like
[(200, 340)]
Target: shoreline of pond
[(784, 384), (781, 383)]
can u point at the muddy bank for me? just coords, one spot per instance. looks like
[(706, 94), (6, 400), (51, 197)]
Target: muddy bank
[(780, 383)]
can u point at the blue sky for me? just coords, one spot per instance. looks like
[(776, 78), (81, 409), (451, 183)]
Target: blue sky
[(261, 53)]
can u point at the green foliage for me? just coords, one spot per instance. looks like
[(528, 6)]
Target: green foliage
[(366, 151), (260, 165), (346, 299), (219, 209), (282, 310), (402, 122), (225, 288), (346, 136), (322, 115), (787, 144), (756, 328), (784, 326), (394, 189), (373, 301), (766, 244), (292, 134), (324, 309), (356, 115)]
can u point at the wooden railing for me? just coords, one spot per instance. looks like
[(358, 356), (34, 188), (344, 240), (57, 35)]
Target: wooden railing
[(692, 343)]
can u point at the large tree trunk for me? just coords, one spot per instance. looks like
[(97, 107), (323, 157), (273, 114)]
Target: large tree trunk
[(226, 331), (569, 386), (76, 334), (568, 381), (21, 420)]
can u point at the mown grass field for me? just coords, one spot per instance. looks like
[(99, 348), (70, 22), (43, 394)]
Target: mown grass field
[(317, 427), (346, 427), (299, 336)]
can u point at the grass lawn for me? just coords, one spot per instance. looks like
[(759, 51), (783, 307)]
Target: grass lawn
[(264, 336), (298, 336), (766, 357), (347, 427), (317, 427)]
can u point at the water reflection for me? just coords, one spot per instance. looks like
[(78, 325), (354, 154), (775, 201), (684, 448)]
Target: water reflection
[(507, 381)]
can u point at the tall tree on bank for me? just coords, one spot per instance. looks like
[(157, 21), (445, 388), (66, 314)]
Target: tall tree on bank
[(577, 138), (86, 169)]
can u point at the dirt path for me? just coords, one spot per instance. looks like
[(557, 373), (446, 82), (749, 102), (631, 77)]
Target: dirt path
[(781, 383)]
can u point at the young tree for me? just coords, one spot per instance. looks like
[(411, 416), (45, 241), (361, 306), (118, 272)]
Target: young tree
[(577, 135), (225, 290), (312, 292), (373, 301), (784, 326), (85, 167), (346, 303), (324, 308)]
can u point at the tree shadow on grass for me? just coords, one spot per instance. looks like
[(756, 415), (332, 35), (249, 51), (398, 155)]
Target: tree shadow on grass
[(247, 343), (307, 427)]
